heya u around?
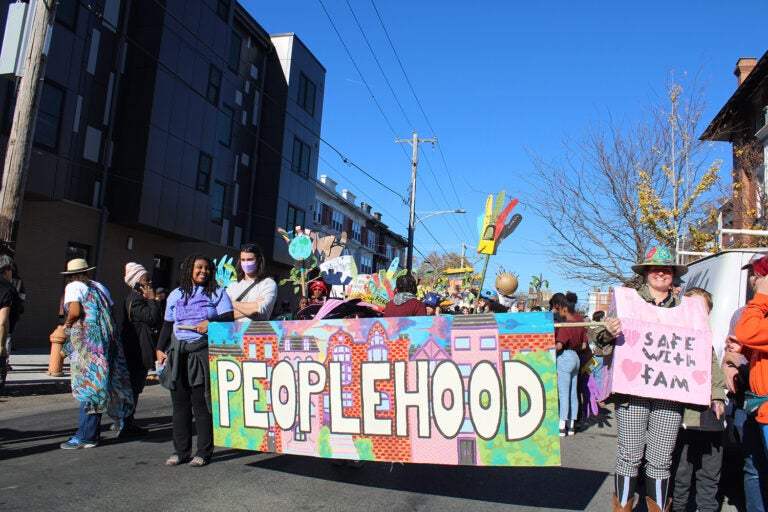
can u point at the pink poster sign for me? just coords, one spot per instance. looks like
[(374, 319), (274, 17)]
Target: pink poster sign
[(662, 352)]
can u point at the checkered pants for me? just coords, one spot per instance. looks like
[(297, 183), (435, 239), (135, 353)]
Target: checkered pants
[(650, 426)]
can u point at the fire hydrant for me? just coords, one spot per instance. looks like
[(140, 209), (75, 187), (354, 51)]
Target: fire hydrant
[(56, 361)]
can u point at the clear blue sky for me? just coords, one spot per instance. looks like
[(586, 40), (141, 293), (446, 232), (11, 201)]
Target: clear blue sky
[(495, 80)]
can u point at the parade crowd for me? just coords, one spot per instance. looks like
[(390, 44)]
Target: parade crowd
[(676, 448)]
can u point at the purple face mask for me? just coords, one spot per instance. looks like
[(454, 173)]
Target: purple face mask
[(248, 266)]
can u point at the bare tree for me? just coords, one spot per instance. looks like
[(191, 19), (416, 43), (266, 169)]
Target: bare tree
[(620, 188)]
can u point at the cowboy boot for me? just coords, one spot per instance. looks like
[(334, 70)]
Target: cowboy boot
[(654, 507), (626, 508)]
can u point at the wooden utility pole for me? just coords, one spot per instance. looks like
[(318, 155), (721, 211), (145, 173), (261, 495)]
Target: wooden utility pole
[(412, 218), (22, 130)]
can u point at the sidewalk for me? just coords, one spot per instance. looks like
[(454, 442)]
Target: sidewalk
[(29, 374)]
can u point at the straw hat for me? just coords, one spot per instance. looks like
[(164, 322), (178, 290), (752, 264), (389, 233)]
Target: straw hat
[(77, 266)]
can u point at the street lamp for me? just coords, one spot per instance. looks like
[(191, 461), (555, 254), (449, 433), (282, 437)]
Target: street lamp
[(412, 227)]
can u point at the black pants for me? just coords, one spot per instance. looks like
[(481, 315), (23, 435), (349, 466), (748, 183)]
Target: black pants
[(700, 454), (186, 400)]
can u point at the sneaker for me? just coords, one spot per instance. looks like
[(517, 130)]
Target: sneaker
[(562, 432), (571, 432), (76, 444)]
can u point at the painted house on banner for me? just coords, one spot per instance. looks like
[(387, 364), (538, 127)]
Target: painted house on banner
[(295, 348), (473, 338), (260, 343)]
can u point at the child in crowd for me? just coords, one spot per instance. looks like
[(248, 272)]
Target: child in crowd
[(699, 450)]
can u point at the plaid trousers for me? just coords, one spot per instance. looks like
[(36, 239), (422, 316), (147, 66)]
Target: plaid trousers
[(646, 426)]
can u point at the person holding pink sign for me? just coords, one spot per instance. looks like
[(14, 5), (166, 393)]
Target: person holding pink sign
[(647, 427)]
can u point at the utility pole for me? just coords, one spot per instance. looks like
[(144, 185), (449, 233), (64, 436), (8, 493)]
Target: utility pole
[(415, 141), (22, 130)]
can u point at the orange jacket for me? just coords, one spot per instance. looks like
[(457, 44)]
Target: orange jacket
[(752, 332)]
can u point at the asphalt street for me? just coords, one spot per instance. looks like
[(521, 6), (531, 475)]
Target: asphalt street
[(129, 474)]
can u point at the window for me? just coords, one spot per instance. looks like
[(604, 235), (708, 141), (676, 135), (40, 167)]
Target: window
[(465, 369), (488, 343), (506, 355), (301, 156), (295, 217), (371, 242), (225, 125), (461, 343), (233, 55), (386, 402), (267, 351), (337, 221), (366, 264), (347, 399), (378, 353), (218, 193), (222, 9), (298, 435), (76, 250), (306, 97), (66, 13), (343, 354), (318, 213), (214, 85), (48, 116), (357, 232), (204, 163)]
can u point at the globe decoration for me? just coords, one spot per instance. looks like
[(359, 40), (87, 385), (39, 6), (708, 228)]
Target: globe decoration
[(506, 283), (300, 247)]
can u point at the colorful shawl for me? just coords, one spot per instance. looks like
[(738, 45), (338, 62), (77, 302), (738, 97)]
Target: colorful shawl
[(98, 367)]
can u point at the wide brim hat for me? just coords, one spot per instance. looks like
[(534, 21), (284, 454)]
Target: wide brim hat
[(77, 266), (659, 257)]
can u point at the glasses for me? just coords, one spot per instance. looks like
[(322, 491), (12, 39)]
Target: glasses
[(660, 270)]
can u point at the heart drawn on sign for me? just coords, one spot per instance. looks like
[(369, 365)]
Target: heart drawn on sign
[(631, 336), (630, 369), (700, 376)]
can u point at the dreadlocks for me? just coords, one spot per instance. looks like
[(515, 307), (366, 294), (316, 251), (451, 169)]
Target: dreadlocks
[(186, 285)]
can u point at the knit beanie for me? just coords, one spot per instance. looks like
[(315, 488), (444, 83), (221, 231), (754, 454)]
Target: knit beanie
[(133, 272)]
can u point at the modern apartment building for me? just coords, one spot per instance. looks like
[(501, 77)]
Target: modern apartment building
[(165, 127)]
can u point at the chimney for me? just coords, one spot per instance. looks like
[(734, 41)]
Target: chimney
[(377, 215), (744, 67), (365, 207), (328, 182), (349, 196)]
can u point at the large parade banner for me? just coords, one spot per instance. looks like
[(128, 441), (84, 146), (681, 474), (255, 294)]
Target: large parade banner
[(469, 389), (662, 352)]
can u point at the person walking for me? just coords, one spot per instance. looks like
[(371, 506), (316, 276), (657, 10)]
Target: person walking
[(183, 350), (141, 316), (405, 303), (99, 372), (10, 310), (569, 342)]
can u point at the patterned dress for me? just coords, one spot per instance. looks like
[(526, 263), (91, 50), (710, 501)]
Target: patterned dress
[(97, 363)]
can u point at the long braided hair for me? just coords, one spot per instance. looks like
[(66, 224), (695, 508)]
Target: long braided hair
[(185, 281)]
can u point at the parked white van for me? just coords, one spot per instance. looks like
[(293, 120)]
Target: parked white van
[(721, 275)]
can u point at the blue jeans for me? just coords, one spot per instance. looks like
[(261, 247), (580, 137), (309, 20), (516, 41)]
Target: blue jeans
[(567, 384), (754, 460), (597, 373), (89, 425)]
